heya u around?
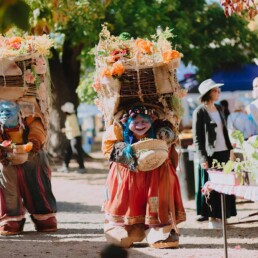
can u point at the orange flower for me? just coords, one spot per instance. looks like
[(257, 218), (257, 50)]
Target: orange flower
[(144, 46), (23, 148), (117, 69), (105, 72), (29, 37), (14, 42), (28, 146), (169, 55)]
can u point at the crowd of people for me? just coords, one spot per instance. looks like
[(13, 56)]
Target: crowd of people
[(213, 126), (212, 129), (143, 196)]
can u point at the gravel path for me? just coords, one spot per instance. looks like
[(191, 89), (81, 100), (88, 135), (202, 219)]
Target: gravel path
[(80, 221)]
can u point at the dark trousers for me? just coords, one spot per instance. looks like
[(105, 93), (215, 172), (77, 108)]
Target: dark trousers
[(74, 147), (211, 207)]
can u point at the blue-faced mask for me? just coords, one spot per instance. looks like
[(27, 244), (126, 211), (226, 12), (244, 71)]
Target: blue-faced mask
[(9, 113)]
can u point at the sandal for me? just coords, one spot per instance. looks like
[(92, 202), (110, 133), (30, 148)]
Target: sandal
[(171, 242)]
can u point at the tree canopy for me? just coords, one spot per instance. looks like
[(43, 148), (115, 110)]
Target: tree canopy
[(204, 35)]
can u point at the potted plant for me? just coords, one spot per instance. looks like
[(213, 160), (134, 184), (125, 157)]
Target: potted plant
[(241, 171)]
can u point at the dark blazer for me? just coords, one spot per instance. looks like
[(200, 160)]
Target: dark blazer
[(204, 132)]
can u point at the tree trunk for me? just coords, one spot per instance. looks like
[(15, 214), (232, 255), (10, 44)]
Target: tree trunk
[(65, 77)]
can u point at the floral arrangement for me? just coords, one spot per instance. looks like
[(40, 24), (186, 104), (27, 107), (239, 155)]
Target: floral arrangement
[(9, 145), (249, 163), (115, 54), (141, 69), (17, 47), (24, 73)]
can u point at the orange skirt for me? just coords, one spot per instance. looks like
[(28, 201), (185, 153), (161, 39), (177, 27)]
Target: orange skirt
[(153, 197)]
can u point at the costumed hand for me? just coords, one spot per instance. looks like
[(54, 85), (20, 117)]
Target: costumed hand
[(166, 134), (122, 153), (205, 165)]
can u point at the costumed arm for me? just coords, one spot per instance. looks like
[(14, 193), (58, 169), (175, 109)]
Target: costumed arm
[(37, 133), (115, 149), (173, 156), (3, 154), (165, 131)]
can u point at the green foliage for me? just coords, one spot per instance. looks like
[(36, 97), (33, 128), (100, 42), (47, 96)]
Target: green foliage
[(125, 36), (238, 135), (177, 107), (85, 90), (204, 35), (14, 13), (240, 167), (228, 167)]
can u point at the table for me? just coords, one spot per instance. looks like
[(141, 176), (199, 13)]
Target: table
[(243, 191)]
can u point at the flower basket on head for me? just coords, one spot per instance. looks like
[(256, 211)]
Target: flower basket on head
[(24, 75), (135, 70), (150, 153)]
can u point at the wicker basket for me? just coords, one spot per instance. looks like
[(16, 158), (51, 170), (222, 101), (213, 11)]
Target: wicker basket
[(14, 87), (149, 85), (150, 153)]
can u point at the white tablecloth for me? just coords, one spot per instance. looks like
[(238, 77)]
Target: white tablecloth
[(243, 191)]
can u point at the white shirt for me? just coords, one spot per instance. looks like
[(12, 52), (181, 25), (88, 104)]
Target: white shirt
[(220, 144), (72, 128)]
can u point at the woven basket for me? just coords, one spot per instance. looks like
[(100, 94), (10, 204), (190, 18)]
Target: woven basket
[(150, 153), (14, 87)]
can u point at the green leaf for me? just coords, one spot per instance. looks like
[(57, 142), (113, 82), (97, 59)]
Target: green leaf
[(239, 136), (228, 167), (255, 143), (255, 155), (125, 36)]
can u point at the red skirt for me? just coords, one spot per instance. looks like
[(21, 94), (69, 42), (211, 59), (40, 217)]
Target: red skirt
[(152, 198)]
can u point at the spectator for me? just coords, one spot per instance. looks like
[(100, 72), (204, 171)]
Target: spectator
[(211, 141), (252, 109), (238, 120), (73, 135), (224, 105)]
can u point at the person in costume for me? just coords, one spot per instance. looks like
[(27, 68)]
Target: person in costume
[(141, 204), (211, 140), (24, 182)]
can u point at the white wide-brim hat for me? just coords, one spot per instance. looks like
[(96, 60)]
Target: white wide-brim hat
[(207, 85), (68, 107)]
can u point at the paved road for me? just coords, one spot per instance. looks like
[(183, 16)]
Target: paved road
[(80, 219)]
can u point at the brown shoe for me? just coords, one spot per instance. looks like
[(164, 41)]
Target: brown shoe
[(12, 228), (171, 242), (47, 225), (125, 236)]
